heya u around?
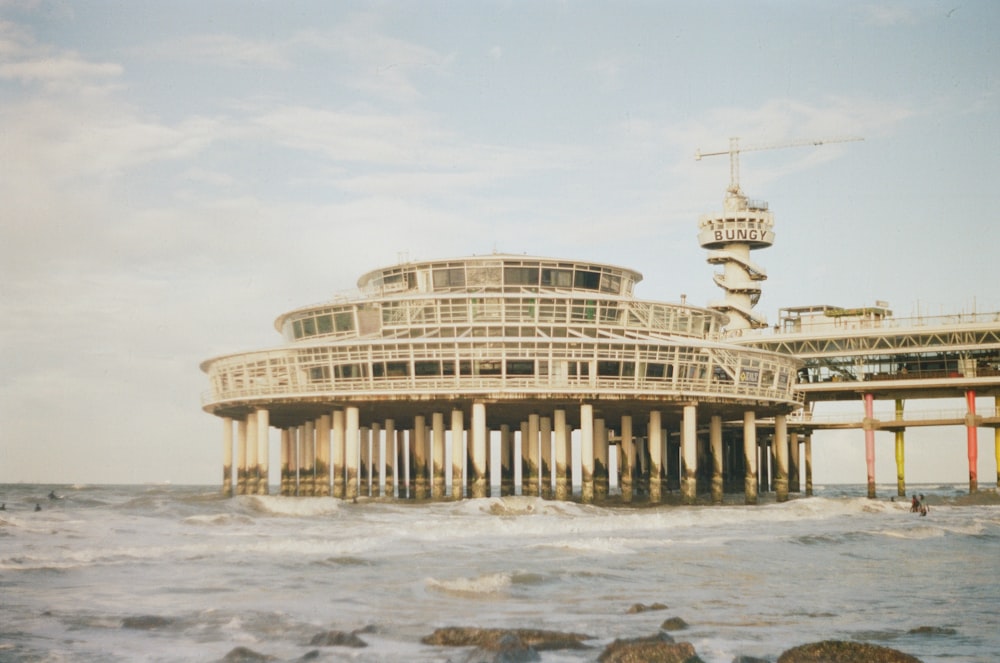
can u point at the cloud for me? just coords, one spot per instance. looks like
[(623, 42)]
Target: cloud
[(225, 50)]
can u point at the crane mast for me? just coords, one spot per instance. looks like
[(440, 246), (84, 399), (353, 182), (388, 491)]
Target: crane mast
[(741, 227)]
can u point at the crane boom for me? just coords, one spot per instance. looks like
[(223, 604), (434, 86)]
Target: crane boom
[(735, 149)]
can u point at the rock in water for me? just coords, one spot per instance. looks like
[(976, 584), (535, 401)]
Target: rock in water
[(839, 651), (510, 649), (674, 624), (655, 649), (642, 607), (491, 638), (337, 639), (245, 655)]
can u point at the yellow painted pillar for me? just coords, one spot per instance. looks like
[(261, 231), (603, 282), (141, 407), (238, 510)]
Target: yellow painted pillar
[(900, 452)]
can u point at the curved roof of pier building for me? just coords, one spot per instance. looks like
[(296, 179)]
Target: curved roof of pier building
[(521, 333)]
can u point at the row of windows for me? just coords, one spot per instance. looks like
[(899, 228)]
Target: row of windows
[(494, 367), (434, 313)]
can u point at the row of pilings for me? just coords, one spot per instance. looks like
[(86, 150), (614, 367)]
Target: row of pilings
[(334, 455)]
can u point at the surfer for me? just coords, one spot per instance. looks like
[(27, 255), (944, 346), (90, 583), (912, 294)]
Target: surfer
[(38, 507), (52, 495)]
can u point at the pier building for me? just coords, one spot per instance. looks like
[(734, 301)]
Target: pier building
[(371, 391)]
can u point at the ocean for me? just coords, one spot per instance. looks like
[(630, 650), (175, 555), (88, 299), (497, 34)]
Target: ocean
[(179, 573)]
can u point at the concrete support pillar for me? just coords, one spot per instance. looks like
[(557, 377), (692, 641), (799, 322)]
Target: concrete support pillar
[(389, 459), (689, 454), (293, 461), (869, 426), (715, 443), (227, 456), (241, 456), (323, 426), (337, 451), (310, 464), (529, 452), (520, 472), (601, 454), (545, 462), (352, 433), (263, 451), (377, 471), (301, 483), (809, 464), (506, 460), (403, 483), (253, 470), (750, 456), (437, 455), (626, 458), (418, 458), (563, 487), (900, 452), (457, 454), (971, 433), (364, 461), (996, 436), (286, 463), (655, 436), (780, 445), (793, 463), (587, 452), (479, 446)]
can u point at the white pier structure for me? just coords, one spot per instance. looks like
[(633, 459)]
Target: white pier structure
[(369, 391)]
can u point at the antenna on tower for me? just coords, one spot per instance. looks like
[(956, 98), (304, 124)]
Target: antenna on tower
[(735, 149)]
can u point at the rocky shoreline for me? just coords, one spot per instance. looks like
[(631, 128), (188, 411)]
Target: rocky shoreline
[(522, 645)]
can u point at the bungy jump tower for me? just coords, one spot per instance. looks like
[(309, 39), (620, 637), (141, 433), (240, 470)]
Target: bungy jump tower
[(445, 379)]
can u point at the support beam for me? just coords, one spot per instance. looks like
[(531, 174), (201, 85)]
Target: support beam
[(352, 432), (587, 452), (418, 457), (869, 426), (364, 461), (781, 458), (479, 446), (655, 436), (689, 454), (457, 454), (626, 459), (323, 426), (900, 452), (252, 469), (750, 456), (972, 439), (227, 456), (601, 453), (337, 444), (715, 442), (437, 455), (286, 463), (529, 454), (793, 463), (809, 465), (389, 458), (263, 451), (376, 465), (545, 462), (563, 488), (506, 460)]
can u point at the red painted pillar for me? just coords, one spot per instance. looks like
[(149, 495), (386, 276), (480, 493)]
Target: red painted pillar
[(972, 439), (869, 426)]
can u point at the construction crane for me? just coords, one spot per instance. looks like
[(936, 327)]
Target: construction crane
[(735, 149)]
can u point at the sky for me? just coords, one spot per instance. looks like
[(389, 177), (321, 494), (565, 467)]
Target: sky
[(173, 176)]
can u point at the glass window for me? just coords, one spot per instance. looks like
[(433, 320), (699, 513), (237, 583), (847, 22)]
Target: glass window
[(324, 324), (309, 327), (520, 276), (587, 280), (557, 278), (343, 321)]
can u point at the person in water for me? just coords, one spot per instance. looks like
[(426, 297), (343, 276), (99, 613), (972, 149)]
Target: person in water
[(52, 495), (38, 507), (923, 506), (914, 504)]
